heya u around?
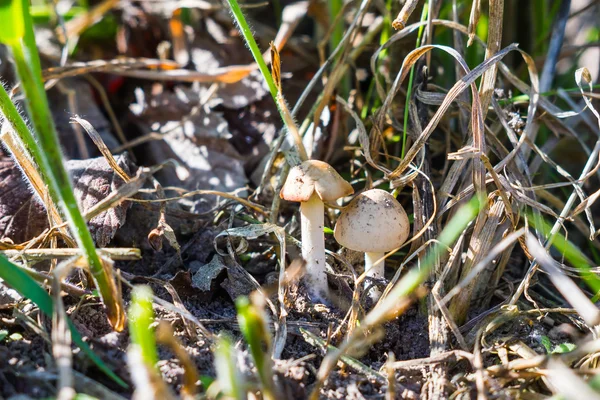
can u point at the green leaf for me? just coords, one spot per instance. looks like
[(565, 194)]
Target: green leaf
[(83, 396), (564, 348), (13, 25), (3, 334), (16, 336), (206, 381), (16, 278), (545, 340), (327, 230)]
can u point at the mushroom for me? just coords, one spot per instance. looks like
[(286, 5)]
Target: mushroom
[(311, 183), (374, 223)]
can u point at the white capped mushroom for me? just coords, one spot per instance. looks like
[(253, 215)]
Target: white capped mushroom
[(311, 183), (374, 223)]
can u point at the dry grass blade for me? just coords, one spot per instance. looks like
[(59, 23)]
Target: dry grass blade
[(583, 75), (477, 119), (571, 292), (288, 119), (568, 384), (80, 68), (275, 66), (115, 253), (231, 196), (61, 335), (480, 245), (488, 79), (118, 320), (15, 146), (165, 335), (95, 136), (79, 24), (450, 356), (230, 74), (493, 253)]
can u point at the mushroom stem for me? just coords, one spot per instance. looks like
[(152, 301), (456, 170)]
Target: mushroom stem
[(313, 245), (374, 269)]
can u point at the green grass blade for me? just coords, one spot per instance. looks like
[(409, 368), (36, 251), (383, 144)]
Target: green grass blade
[(48, 154), (230, 380), (247, 33), (273, 87), (27, 287), (571, 252), (14, 119), (254, 328), (141, 317), (13, 27)]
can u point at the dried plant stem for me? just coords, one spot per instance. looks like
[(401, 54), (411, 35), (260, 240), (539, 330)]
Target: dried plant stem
[(114, 253), (408, 8), (13, 143)]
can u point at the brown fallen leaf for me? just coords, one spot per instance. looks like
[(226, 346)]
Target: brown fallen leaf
[(203, 283), (197, 137), (203, 278), (93, 181), (22, 214)]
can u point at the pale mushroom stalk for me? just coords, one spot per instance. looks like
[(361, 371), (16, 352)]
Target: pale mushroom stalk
[(311, 183), (374, 223), (313, 242), (374, 270)]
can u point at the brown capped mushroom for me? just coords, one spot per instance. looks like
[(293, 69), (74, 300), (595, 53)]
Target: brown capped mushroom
[(374, 223), (311, 183)]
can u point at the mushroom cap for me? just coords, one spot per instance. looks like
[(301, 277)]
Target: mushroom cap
[(374, 221), (314, 176)]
